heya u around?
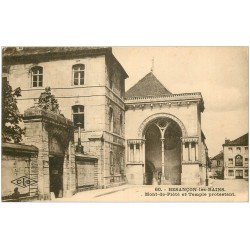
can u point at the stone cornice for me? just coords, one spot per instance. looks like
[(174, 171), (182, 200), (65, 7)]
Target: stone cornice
[(190, 139), (135, 141), (191, 162), (38, 114), (19, 148), (168, 97), (169, 100)]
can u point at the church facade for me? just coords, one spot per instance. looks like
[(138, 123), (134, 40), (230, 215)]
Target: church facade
[(164, 139), (144, 136)]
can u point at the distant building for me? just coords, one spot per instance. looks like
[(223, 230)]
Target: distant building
[(236, 158), (217, 166)]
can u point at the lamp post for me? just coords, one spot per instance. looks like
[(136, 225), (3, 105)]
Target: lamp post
[(79, 147), (206, 155)]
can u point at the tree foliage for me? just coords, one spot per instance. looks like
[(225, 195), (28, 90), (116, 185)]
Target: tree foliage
[(11, 131)]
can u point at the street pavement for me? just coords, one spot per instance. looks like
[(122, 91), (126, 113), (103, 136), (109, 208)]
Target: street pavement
[(141, 193)]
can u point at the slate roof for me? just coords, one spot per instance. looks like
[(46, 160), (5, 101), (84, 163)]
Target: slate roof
[(241, 141), (149, 85)]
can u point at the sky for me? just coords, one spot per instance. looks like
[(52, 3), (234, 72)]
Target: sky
[(219, 73)]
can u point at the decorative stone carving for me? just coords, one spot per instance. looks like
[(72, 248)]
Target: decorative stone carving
[(190, 139), (152, 118)]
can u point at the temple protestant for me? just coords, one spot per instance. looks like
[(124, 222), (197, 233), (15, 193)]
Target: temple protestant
[(164, 140)]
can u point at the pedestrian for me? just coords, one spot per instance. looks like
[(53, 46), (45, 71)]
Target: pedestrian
[(16, 195)]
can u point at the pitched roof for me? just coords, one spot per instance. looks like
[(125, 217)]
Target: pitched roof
[(241, 141), (218, 156), (149, 85)]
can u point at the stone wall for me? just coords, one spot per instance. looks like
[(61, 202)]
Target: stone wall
[(186, 114), (58, 73), (86, 172), (19, 170)]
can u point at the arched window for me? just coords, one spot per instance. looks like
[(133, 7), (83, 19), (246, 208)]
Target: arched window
[(37, 76), (78, 74), (238, 160), (121, 124), (78, 115), (111, 120)]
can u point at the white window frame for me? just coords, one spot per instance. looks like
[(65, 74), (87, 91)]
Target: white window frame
[(38, 75), (76, 68)]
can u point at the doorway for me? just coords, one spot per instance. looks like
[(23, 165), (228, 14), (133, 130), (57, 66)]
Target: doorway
[(56, 175), (154, 151), (238, 174), (149, 173)]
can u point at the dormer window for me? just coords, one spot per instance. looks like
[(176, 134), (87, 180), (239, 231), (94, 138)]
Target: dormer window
[(37, 76), (78, 74)]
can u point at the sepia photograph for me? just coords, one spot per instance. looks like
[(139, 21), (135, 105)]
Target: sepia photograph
[(125, 124)]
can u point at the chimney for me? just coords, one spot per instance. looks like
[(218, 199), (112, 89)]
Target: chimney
[(227, 140)]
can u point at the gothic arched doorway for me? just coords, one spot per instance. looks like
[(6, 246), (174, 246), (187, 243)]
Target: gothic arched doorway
[(163, 152)]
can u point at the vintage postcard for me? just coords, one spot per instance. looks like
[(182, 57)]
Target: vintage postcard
[(125, 124)]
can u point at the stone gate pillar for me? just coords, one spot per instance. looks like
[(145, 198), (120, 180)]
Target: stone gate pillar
[(53, 135)]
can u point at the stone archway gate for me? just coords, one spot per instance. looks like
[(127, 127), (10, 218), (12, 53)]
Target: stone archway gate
[(41, 126)]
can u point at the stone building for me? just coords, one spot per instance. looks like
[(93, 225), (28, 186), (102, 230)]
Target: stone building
[(89, 86), (19, 171), (236, 158), (165, 143), (217, 166)]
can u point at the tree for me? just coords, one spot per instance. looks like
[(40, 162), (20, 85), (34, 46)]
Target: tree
[(48, 101), (10, 114)]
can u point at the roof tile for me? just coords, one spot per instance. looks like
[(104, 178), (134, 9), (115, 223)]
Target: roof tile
[(241, 141), (149, 85)]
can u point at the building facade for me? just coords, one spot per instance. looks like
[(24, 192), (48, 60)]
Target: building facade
[(89, 86), (165, 143), (217, 166), (236, 158)]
